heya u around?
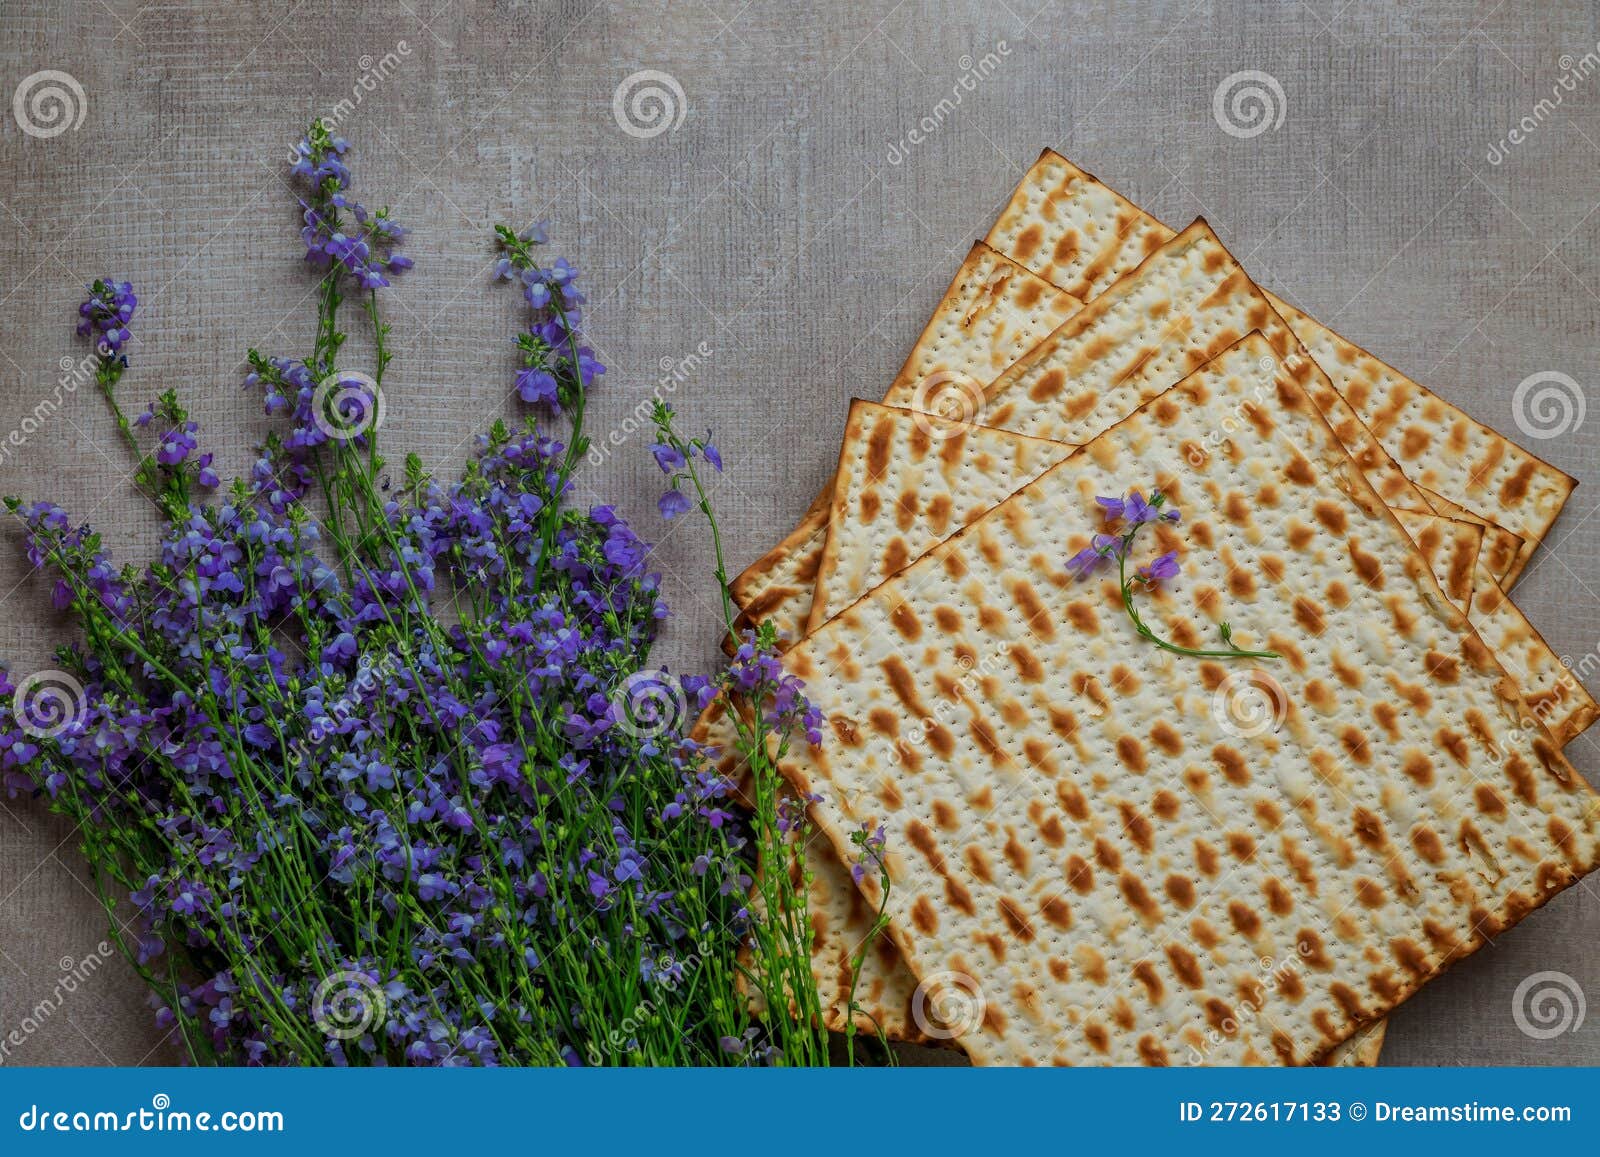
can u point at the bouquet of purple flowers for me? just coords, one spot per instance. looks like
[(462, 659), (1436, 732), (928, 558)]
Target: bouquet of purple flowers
[(372, 769)]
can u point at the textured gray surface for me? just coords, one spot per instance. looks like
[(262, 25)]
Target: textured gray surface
[(787, 225)]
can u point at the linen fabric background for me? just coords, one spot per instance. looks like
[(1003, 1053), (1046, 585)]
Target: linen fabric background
[(771, 252)]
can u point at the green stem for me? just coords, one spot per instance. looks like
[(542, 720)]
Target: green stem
[(1139, 625), (1176, 648), (783, 934), (880, 923)]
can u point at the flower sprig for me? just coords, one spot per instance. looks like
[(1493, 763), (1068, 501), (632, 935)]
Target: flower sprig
[(673, 454), (871, 845), (338, 229), (1136, 513), (780, 932), (556, 369), (174, 469), (103, 318)]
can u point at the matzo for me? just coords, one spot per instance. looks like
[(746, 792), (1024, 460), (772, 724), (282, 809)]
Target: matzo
[(842, 922), (993, 312), (1552, 691), (1437, 444), (1187, 301), (1501, 547), (898, 470), (1451, 548), (1072, 230), (777, 586), (1078, 234), (886, 996), (1113, 904)]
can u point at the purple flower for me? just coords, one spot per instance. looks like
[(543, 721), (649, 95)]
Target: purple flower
[(870, 857), (712, 454), (1135, 509), (412, 727), (338, 229), (561, 272), (668, 457), (674, 503), (106, 313), (1084, 562), (758, 675), (1113, 507), (1102, 549), (204, 474), (536, 384), (1163, 566), (553, 361), (176, 444)]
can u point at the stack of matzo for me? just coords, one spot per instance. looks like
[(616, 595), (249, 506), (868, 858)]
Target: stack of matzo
[(1069, 832)]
